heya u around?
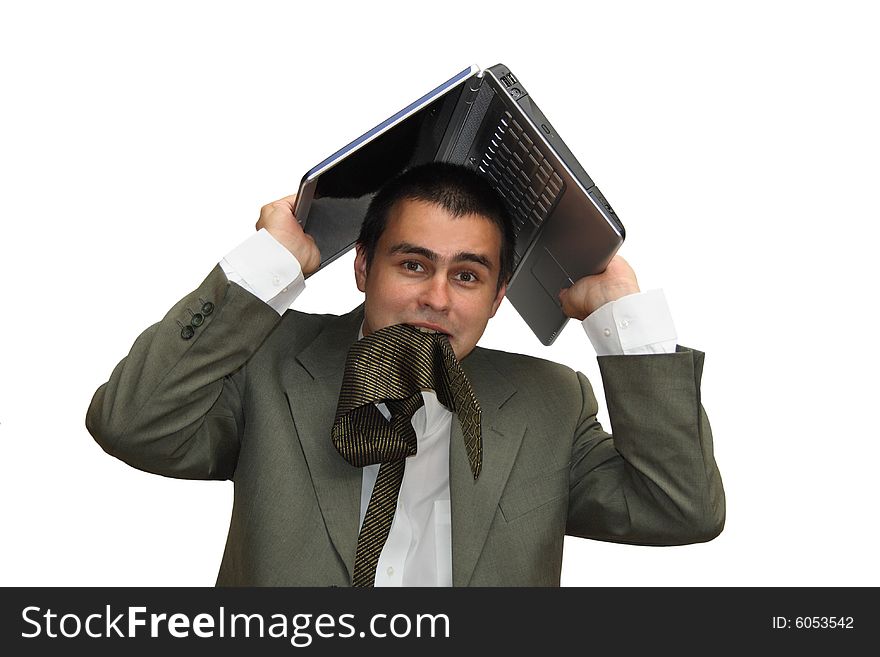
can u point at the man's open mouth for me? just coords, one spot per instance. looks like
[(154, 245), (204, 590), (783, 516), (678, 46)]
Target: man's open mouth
[(427, 329)]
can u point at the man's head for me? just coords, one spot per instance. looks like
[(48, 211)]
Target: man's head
[(435, 250)]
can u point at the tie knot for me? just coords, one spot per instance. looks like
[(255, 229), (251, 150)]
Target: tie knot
[(405, 408)]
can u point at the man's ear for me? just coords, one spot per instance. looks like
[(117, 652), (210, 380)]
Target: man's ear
[(498, 298), (360, 268)]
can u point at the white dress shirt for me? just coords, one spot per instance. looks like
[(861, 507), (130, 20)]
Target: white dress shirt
[(418, 551)]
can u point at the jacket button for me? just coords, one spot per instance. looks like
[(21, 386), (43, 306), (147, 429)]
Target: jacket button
[(207, 308), (187, 332), (197, 320)]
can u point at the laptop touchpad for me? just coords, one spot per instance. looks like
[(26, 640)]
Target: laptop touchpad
[(551, 276)]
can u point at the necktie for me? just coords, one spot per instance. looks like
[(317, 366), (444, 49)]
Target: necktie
[(393, 365)]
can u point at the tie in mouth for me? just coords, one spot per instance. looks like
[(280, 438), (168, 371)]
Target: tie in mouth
[(428, 331)]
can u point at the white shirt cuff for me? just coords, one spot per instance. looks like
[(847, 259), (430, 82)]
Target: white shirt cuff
[(635, 324), (263, 267)]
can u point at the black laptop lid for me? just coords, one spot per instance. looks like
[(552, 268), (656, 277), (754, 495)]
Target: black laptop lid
[(334, 195)]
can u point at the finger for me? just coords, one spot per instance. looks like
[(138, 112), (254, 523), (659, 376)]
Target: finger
[(563, 300), (288, 202)]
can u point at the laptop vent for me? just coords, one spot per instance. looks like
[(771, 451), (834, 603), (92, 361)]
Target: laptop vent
[(472, 124)]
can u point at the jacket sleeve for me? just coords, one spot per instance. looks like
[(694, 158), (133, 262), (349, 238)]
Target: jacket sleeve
[(173, 405), (655, 481)]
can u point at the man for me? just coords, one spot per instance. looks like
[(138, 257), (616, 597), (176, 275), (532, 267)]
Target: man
[(229, 385)]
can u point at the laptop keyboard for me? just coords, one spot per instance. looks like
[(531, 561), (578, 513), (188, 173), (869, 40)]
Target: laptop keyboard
[(523, 176)]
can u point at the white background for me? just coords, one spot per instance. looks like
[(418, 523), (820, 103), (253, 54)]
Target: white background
[(738, 144)]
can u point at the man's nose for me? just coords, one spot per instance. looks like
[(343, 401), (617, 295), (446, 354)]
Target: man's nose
[(435, 293)]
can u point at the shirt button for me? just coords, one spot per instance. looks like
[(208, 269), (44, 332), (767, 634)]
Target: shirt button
[(624, 323), (390, 571), (607, 332), (276, 280)]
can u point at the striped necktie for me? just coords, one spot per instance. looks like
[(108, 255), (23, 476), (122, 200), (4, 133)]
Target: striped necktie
[(393, 365)]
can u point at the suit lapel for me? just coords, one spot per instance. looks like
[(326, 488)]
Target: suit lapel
[(474, 503), (312, 387)]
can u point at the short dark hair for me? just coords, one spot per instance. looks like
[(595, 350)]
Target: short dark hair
[(458, 190)]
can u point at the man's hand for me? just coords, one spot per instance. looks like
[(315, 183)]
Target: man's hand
[(277, 218), (592, 292)]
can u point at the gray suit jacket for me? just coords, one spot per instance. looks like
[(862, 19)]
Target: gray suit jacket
[(251, 397)]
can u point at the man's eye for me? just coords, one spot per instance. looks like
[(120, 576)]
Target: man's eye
[(411, 265), (467, 277)]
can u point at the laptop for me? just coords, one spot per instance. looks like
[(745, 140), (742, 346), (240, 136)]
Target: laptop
[(486, 120)]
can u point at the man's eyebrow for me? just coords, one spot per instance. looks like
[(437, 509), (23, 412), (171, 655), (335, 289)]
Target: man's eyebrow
[(406, 247), (478, 258), (461, 256)]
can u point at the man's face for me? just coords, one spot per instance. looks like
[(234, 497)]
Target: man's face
[(433, 270)]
